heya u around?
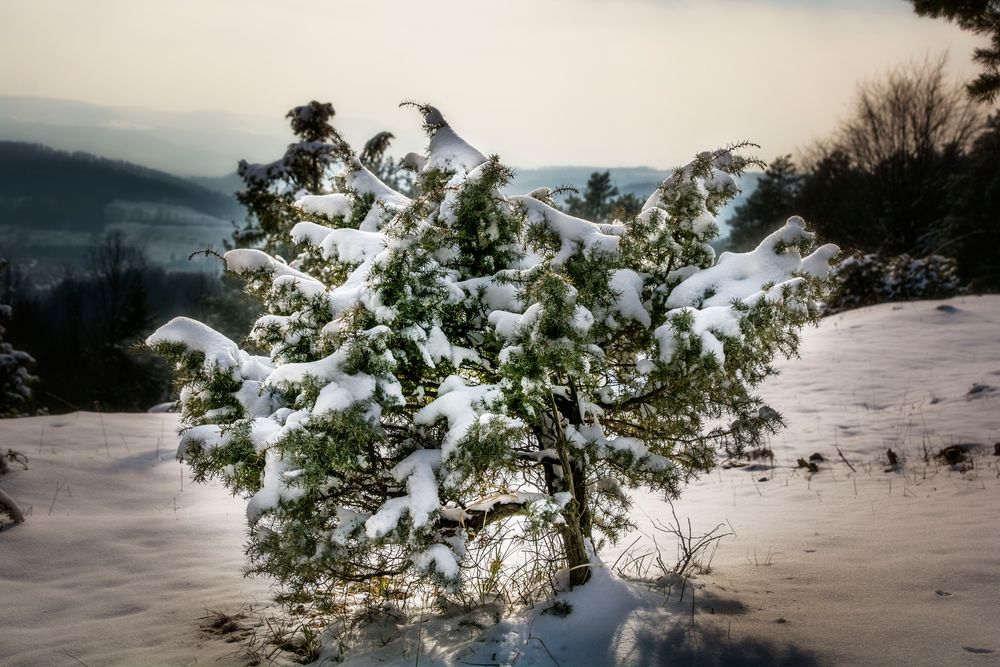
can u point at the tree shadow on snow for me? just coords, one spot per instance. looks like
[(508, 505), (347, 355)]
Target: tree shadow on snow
[(704, 646), (707, 601)]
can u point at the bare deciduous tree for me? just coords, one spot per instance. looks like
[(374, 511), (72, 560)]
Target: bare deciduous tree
[(880, 183)]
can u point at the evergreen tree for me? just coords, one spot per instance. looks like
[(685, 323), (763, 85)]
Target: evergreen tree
[(467, 366), (16, 379), (975, 221), (624, 207), (271, 188), (601, 201), (981, 17), (374, 156), (596, 199), (767, 205)]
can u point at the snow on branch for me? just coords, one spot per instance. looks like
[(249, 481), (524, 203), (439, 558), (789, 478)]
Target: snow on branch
[(464, 357)]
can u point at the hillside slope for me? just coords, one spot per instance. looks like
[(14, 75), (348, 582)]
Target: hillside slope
[(55, 205), (44, 188), (857, 563), (194, 142)]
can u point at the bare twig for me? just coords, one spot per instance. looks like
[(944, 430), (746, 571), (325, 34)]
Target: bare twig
[(75, 658), (107, 445), (56, 495), (690, 547), (844, 459)]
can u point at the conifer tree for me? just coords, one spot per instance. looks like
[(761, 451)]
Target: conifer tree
[(981, 17), (307, 167), (601, 200), (16, 379), (442, 365), (272, 187), (767, 205)]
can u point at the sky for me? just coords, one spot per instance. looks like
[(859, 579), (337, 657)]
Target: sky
[(539, 82)]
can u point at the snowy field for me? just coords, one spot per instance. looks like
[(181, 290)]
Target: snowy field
[(860, 562)]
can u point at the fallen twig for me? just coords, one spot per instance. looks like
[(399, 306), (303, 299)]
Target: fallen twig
[(844, 459)]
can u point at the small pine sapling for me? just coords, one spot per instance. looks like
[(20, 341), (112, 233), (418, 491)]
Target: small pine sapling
[(441, 365)]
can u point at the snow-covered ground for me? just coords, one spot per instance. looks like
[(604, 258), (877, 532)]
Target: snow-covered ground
[(121, 553)]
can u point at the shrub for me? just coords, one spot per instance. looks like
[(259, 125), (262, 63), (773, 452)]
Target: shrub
[(864, 280), (442, 367)]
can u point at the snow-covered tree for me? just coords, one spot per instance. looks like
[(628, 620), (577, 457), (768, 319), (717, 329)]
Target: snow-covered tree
[(864, 280), (15, 369), (438, 365), (271, 189), (766, 206)]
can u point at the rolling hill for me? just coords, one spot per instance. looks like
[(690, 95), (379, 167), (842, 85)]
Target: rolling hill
[(55, 204)]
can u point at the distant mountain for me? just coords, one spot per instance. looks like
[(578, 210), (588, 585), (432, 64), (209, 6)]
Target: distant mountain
[(54, 205), (228, 185), (42, 187), (199, 142), (526, 180)]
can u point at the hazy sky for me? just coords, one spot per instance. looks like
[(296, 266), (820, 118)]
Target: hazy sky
[(596, 82)]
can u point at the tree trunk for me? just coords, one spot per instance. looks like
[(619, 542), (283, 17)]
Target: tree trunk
[(577, 558), (576, 531), (577, 528)]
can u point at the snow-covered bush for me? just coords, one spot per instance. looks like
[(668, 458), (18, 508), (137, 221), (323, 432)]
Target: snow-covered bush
[(15, 372), (270, 187), (438, 365), (867, 279)]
